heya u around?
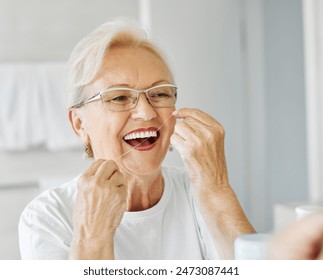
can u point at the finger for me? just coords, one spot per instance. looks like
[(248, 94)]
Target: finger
[(184, 130), (201, 129), (178, 142), (93, 167), (117, 179), (107, 169), (188, 113), (176, 139)]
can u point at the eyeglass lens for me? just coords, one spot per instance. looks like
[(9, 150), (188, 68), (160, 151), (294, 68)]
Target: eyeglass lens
[(125, 99)]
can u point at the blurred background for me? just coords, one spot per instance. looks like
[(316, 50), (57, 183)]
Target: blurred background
[(254, 65)]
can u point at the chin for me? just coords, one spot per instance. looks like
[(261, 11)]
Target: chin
[(141, 166)]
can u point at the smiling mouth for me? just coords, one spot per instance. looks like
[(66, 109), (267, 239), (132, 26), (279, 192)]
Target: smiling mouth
[(142, 139)]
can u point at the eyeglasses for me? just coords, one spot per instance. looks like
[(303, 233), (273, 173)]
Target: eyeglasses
[(122, 98)]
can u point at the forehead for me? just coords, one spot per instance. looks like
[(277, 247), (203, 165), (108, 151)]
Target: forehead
[(136, 67)]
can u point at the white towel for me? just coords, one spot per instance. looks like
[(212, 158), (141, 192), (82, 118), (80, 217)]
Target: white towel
[(52, 84), (33, 108)]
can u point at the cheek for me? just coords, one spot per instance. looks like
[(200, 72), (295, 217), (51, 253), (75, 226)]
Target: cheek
[(105, 127), (169, 124)]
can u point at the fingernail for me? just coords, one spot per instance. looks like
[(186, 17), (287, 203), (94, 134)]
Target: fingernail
[(175, 113)]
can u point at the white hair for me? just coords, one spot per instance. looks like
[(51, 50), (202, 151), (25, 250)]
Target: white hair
[(86, 58)]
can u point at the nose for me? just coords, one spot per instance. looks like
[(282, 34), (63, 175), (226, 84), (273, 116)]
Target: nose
[(143, 110)]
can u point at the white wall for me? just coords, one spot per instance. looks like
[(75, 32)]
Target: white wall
[(274, 84), (313, 34), (286, 160), (48, 30)]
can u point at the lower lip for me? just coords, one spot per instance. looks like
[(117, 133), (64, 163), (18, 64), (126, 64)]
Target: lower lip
[(145, 148)]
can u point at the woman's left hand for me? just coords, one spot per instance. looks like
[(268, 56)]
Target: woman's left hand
[(199, 138)]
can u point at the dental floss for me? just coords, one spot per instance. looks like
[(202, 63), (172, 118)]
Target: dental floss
[(146, 138)]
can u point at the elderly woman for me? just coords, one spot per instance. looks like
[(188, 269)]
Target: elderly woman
[(126, 205)]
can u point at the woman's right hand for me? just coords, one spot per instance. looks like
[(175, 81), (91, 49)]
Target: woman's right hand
[(99, 208)]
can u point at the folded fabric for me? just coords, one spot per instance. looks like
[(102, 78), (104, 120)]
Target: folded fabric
[(33, 107)]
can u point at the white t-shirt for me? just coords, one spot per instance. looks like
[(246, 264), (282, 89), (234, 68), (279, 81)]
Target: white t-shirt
[(172, 229)]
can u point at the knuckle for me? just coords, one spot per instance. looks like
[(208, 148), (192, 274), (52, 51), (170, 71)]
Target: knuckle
[(191, 149), (82, 183), (105, 163), (196, 110), (95, 181), (111, 163), (209, 135), (98, 162), (220, 129), (179, 127)]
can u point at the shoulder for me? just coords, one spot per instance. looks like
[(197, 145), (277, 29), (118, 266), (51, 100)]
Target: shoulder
[(45, 226), (53, 202)]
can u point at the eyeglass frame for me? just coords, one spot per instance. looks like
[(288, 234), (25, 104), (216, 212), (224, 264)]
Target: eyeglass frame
[(98, 96)]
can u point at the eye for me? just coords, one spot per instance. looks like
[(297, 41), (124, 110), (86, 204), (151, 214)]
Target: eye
[(160, 95), (120, 98), (117, 96), (163, 94)]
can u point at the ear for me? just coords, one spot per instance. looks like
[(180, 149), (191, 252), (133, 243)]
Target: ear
[(76, 121)]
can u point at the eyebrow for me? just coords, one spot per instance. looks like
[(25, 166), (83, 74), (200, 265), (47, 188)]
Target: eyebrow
[(128, 86)]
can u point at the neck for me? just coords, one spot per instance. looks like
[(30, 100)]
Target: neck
[(144, 191)]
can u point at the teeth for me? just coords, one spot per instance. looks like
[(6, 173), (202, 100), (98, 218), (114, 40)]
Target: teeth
[(136, 135)]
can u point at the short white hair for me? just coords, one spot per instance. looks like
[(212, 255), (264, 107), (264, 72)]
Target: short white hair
[(86, 58)]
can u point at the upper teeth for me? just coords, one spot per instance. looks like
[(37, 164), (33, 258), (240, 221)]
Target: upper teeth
[(140, 135)]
